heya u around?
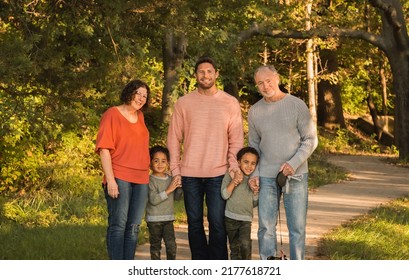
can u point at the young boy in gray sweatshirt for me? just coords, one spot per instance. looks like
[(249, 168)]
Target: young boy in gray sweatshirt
[(159, 210), (240, 201)]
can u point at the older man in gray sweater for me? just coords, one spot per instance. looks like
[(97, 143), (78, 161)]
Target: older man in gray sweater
[(282, 131)]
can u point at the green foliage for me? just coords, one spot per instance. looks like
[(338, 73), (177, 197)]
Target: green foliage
[(61, 187), (75, 162), (361, 78), (35, 151), (383, 234), (351, 141), (25, 132)]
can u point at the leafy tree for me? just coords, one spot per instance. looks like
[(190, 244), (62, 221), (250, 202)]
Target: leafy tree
[(62, 63), (391, 37), (54, 58)]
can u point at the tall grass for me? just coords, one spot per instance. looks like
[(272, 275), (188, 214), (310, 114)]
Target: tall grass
[(64, 216)]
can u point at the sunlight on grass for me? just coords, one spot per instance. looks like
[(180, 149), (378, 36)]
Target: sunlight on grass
[(323, 173), (382, 234)]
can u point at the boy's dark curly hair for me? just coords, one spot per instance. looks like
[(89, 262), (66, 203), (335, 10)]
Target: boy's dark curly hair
[(246, 150), (157, 149)]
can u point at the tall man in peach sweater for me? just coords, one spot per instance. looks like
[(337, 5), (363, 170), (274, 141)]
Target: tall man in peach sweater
[(207, 125)]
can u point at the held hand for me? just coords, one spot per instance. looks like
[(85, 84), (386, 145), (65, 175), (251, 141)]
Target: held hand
[(175, 183), (233, 172), (178, 180), (238, 177), (254, 184), (287, 169)]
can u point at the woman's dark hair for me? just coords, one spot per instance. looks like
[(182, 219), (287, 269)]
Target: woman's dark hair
[(157, 149), (246, 150), (205, 59), (129, 91)]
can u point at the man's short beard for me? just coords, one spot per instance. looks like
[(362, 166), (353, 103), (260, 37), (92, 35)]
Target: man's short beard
[(201, 86), (269, 94)]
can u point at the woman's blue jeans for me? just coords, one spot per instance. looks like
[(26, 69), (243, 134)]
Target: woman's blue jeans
[(195, 190), (295, 204), (124, 219)]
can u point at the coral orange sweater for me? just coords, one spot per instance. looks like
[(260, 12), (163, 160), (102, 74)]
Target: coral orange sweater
[(128, 144)]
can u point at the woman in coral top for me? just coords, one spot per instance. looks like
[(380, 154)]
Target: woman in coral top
[(123, 145)]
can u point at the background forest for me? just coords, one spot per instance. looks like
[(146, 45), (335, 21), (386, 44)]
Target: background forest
[(63, 63)]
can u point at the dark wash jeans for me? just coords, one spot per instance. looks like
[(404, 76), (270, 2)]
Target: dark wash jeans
[(124, 219), (195, 190), (157, 231)]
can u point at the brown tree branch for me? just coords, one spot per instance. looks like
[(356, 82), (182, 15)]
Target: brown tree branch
[(261, 30), (389, 11), (393, 19)]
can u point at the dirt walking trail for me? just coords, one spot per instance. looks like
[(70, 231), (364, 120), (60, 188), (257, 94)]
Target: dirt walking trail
[(372, 182)]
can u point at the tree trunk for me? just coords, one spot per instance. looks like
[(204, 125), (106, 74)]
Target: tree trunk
[(377, 124), (399, 61), (174, 48), (330, 113), (382, 79), (396, 47), (310, 67)]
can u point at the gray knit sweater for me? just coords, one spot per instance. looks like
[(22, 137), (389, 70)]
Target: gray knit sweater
[(240, 203), (281, 131), (160, 205)]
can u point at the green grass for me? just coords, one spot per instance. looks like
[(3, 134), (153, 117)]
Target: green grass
[(321, 172), (382, 234), (54, 224), (62, 242)]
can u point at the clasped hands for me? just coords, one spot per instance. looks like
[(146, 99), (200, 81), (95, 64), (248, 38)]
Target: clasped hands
[(254, 183)]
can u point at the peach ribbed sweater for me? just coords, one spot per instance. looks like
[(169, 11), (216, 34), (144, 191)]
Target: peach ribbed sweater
[(209, 130)]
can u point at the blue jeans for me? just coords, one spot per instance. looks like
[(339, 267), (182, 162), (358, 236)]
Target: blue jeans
[(124, 219), (295, 204), (194, 191)]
